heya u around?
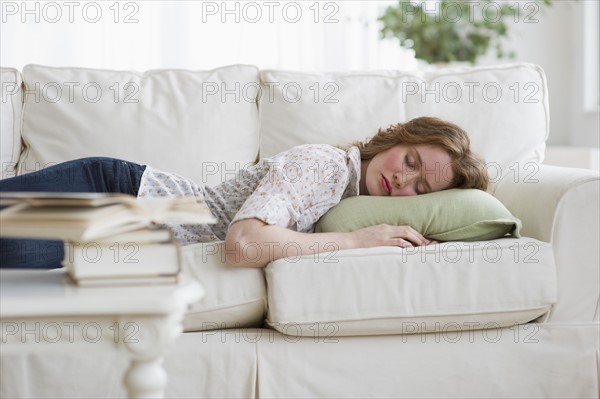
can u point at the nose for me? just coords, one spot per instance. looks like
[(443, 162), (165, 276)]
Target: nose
[(402, 180), (403, 184)]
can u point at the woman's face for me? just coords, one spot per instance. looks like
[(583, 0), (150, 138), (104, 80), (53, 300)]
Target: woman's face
[(407, 170)]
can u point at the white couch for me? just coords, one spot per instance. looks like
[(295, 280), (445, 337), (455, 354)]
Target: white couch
[(502, 318)]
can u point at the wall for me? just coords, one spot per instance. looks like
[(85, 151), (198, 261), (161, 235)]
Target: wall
[(556, 43), (182, 34)]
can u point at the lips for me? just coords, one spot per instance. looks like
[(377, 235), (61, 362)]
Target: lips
[(386, 185)]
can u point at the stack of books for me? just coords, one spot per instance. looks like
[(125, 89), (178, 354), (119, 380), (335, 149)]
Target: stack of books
[(110, 239)]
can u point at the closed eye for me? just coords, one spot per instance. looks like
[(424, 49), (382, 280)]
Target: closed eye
[(410, 163), (421, 185)]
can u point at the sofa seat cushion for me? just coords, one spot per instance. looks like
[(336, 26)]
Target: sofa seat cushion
[(235, 297), (387, 290), (200, 124)]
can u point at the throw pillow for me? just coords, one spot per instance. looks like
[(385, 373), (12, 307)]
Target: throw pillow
[(448, 215)]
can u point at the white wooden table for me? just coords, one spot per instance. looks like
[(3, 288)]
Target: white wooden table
[(43, 310)]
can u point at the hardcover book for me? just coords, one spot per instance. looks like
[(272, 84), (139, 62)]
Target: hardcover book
[(110, 239), (90, 216), (137, 257)]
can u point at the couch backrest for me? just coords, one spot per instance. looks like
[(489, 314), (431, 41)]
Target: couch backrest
[(10, 120), (504, 108), (200, 124), (206, 124)]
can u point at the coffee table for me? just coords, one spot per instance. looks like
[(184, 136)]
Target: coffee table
[(44, 310)]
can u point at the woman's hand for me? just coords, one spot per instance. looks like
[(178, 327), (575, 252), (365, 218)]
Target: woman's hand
[(388, 235), (253, 243)]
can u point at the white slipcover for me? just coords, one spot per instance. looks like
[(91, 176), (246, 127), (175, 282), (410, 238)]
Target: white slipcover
[(504, 108), (383, 290), (199, 124)]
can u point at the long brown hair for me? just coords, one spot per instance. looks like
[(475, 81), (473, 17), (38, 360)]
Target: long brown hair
[(469, 168)]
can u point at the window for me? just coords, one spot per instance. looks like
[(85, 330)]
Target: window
[(140, 35), (591, 45)]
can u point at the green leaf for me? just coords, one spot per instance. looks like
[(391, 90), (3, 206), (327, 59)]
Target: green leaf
[(450, 38)]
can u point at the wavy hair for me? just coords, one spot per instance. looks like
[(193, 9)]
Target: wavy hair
[(468, 167)]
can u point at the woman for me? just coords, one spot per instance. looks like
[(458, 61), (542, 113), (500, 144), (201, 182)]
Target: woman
[(278, 201)]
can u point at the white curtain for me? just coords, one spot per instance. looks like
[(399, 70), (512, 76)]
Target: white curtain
[(140, 35)]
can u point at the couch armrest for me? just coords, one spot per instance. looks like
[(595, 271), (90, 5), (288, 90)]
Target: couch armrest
[(561, 206)]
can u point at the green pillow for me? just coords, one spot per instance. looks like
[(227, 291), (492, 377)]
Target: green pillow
[(448, 215)]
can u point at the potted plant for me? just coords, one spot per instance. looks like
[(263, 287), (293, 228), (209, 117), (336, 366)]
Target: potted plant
[(451, 30)]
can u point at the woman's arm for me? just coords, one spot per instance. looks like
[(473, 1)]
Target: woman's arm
[(253, 243)]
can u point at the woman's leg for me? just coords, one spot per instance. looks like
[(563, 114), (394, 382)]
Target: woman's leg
[(85, 175), (97, 174)]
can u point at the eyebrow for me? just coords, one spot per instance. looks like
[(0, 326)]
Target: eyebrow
[(423, 180)]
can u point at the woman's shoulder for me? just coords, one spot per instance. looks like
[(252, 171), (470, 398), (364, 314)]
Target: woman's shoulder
[(316, 150), (313, 157)]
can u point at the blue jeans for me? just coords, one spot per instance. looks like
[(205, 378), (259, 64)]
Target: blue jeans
[(96, 174)]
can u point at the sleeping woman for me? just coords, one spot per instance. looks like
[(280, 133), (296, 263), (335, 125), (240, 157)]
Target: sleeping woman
[(278, 200)]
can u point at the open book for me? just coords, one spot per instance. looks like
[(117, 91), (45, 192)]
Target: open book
[(90, 216)]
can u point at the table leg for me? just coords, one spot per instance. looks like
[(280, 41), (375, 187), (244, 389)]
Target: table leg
[(146, 378)]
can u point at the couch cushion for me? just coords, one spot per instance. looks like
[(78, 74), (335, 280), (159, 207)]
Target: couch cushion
[(10, 120), (235, 297), (448, 215), (500, 107), (538, 360), (387, 290), (199, 124)]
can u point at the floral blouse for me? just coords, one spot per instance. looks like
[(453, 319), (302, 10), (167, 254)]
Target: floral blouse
[(292, 189)]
